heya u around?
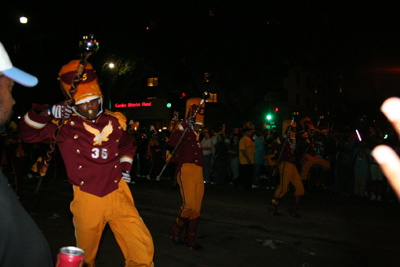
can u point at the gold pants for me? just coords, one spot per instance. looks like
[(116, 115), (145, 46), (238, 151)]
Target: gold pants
[(92, 213), (289, 173), (191, 182), (311, 160)]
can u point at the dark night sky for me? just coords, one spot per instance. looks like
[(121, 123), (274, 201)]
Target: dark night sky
[(359, 40)]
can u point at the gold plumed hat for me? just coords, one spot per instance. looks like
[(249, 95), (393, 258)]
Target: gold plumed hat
[(87, 90), (307, 124), (191, 106)]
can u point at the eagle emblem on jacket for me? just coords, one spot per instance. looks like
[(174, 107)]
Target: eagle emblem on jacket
[(102, 136)]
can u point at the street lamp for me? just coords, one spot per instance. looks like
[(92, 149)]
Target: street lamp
[(24, 20), (110, 65)]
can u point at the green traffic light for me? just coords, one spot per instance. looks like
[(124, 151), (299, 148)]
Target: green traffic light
[(269, 117), (169, 105)]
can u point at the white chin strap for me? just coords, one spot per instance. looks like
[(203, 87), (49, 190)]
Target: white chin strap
[(100, 111)]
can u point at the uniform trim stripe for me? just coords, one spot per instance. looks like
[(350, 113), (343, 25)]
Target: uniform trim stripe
[(126, 159), (32, 123)]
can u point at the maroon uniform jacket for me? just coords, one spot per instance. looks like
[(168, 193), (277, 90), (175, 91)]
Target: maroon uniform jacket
[(287, 153), (305, 146), (189, 149), (94, 153)]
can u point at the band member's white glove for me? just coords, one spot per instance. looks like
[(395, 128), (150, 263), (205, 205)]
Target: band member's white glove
[(59, 111), (126, 176), (190, 122)]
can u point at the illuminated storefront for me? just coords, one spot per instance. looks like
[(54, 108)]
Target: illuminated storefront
[(147, 112)]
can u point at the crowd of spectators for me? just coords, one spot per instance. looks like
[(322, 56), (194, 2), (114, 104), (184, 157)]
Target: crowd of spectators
[(353, 172)]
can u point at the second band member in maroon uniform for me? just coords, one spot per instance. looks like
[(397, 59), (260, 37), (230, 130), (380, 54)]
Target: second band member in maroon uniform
[(189, 175)]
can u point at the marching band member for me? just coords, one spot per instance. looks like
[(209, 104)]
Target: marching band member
[(305, 151), (189, 174), (98, 155), (287, 169)]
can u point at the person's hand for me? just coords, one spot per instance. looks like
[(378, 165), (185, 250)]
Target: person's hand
[(126, 176), (190, 122), (168, 156), (386, 157), (60, 111)]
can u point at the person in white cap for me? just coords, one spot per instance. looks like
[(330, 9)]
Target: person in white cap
[(21, 241)]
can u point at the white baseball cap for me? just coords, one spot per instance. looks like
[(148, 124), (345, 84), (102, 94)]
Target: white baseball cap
[(14, 73)]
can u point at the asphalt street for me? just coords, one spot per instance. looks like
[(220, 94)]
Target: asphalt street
[(235, 227)]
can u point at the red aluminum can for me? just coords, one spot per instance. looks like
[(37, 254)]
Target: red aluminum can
[(70, 257)]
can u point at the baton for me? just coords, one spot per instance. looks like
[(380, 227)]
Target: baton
[(205, 95), (88, 46)]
